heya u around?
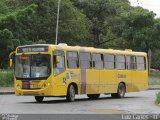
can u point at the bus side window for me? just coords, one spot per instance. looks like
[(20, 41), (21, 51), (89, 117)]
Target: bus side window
[(97, 61), (128, 62), (85, 60), (133, 63), (109, 62), (120, 62), (58, 62), (141, 63), (72, 59)]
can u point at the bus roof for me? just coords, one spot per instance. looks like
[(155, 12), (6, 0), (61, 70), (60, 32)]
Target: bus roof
[(98, 50), (88, 49)]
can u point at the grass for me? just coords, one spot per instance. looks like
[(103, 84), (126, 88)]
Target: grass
[(158, 98), (154, 78), (6, 78)]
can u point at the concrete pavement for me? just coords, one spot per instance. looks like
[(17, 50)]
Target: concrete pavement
[(136, 103)]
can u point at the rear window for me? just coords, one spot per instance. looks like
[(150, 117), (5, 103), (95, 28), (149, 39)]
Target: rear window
[(141, 63)]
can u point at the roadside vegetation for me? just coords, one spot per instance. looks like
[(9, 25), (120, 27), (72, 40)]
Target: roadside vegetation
[(6, 78), (158, 98), (154, 78)]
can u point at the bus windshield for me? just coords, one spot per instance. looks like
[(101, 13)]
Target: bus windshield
[(32, 66)]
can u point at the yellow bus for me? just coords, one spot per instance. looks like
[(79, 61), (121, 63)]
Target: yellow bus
[(45, 70)]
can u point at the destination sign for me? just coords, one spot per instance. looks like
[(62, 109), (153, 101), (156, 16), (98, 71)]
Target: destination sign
[(32, 49)]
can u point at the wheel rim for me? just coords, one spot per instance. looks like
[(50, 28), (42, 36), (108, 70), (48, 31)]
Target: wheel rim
[(121, 90), (72, 92)]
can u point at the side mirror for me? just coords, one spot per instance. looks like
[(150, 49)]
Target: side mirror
[(10, 63), (11, 59), (57, 59)]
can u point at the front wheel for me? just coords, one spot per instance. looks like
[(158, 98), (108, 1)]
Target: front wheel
[(39, 98), (120, 92), (71, 94)]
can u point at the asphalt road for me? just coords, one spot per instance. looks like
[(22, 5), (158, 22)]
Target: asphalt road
[(137, 102)]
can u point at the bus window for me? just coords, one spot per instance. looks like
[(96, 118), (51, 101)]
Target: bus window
[(59, 65), (85, 60), (109, 61), (40, 67), (97, 61), (22, 66), (32, 66), (120, 62), (140, 63), (133, 63), (128, 62), (72, 60)]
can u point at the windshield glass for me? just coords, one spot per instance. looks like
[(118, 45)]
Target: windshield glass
[(32, 66)]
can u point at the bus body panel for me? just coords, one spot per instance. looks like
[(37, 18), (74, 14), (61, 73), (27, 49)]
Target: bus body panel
[(124, 76), (108, 81), (139, 80), (92, 81), (128, 81), (88, 81)]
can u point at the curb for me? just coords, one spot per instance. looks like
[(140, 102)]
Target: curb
[(153, 88), (6, 93)]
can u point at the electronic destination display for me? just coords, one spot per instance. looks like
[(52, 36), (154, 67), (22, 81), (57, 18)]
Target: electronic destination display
[(32, 49)]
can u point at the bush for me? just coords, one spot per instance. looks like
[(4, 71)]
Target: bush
[(6, 78), (158, 98)]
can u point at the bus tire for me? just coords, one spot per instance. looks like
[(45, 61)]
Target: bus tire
[(39, 99), (71, 93), (120, 91), (93, 96)]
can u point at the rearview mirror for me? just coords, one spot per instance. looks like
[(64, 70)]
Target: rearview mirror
[(10, 63), (11, 59)]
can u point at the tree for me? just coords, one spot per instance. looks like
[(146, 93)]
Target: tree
[(98, 13), (136, 28), (34, 21), (7, 44)]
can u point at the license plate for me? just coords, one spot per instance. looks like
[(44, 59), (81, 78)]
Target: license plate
[(34, 86)]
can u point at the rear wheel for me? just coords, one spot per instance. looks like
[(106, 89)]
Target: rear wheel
[(93, 96), (120, 92), (71, 93), (39, 98)]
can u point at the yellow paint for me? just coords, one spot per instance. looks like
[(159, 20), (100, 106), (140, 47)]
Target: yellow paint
[(97, 81)]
